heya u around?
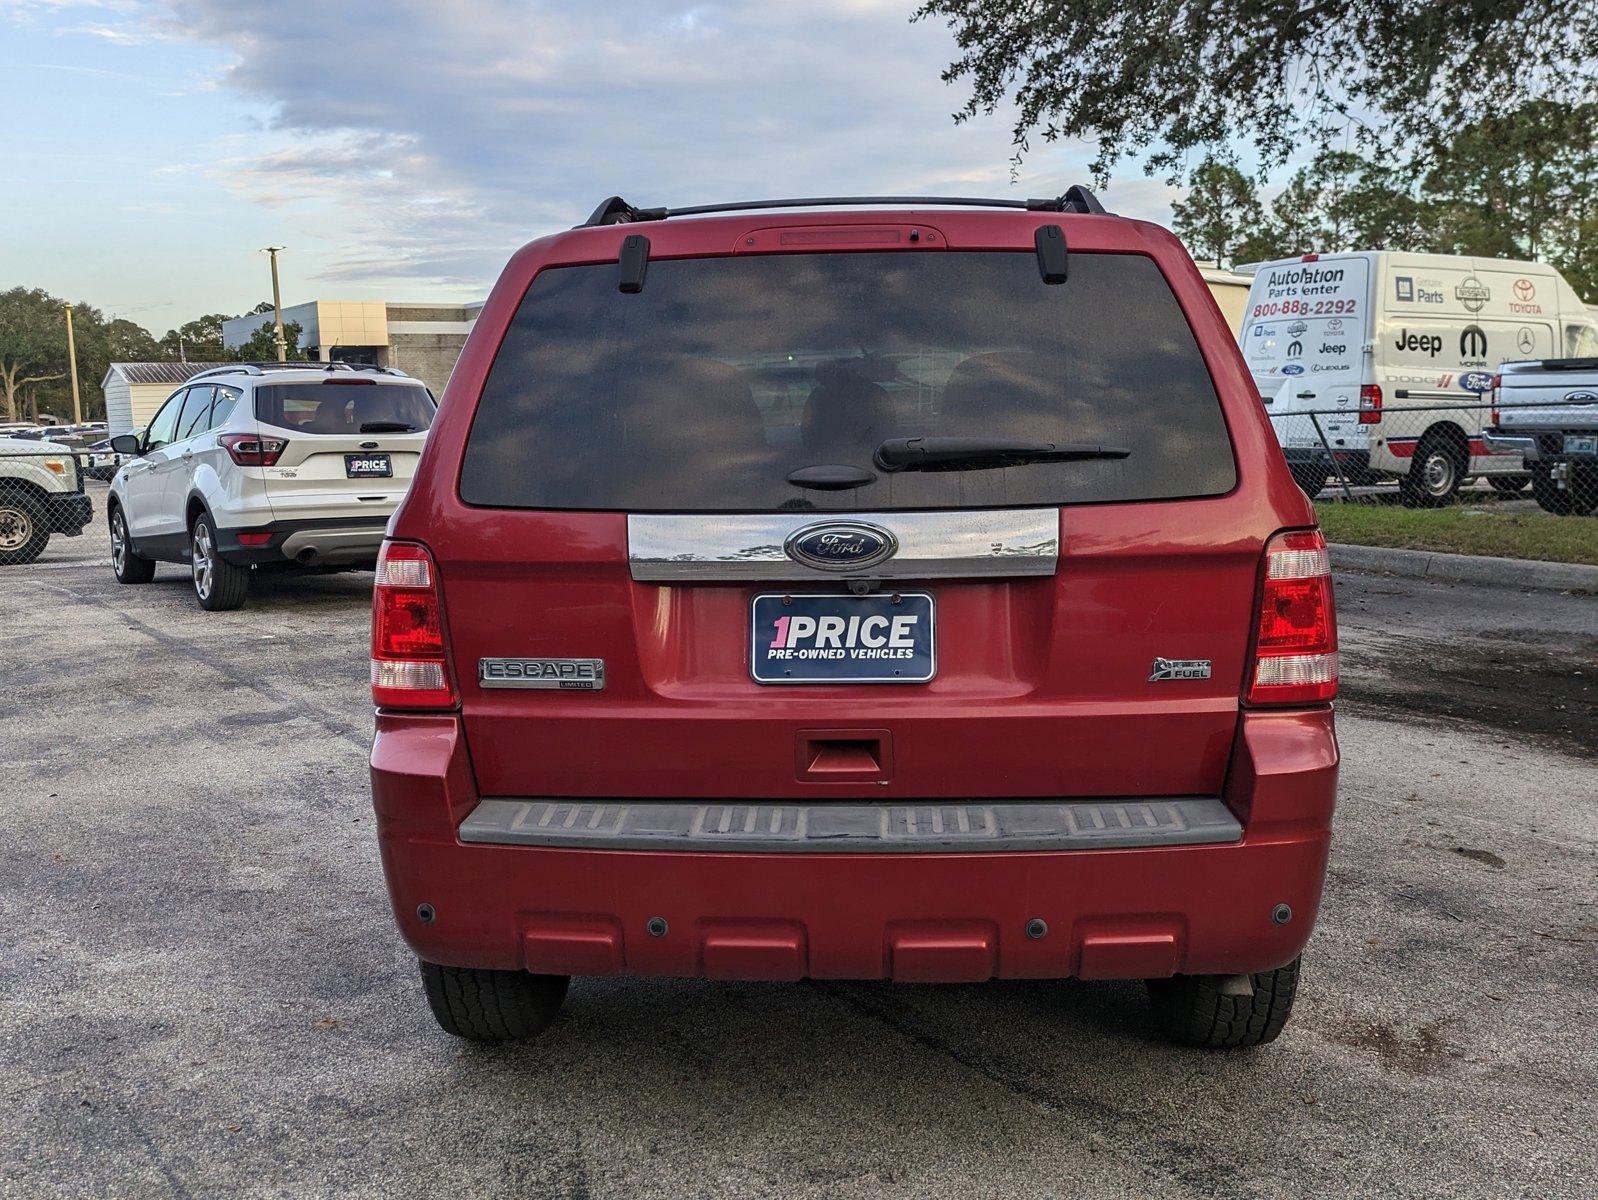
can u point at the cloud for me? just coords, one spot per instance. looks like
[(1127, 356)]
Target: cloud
[(438, 137)]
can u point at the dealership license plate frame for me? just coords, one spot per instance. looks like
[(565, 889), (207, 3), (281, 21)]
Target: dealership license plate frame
[(351, 473), (922, 667)]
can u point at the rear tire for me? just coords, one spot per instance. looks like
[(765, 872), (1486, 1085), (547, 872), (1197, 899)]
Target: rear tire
[(1435, 473), (127, 566), (218, 585), (23, 532), (492, 1006), (1190, 1009), (1579, 499), (1311, 481)]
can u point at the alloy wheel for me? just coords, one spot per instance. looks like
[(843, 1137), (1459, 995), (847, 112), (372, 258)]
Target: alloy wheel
[(119, 542), (204, 560)]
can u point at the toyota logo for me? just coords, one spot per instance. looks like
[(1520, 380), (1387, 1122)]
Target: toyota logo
[(840, 546), (1524, 289)]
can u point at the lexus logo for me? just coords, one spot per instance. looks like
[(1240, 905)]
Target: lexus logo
[(840, 545)]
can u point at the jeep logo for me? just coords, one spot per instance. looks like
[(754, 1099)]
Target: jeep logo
[(840, 546), (1431, 342)]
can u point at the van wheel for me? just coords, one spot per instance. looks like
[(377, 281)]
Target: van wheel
[(1508, 485), (1434, 475), (1311, 481), (1578, 499), (1190, 1009), (492, 1006), (218, 584), (126, 565), (23, 533)]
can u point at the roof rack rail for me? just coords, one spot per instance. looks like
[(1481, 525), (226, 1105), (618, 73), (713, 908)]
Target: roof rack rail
[(616, 211), (261, 368)]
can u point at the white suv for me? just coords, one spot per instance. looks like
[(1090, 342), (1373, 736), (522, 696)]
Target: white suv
[(260, 465)]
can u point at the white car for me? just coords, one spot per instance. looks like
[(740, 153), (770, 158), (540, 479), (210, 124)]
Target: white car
[(254, 466)]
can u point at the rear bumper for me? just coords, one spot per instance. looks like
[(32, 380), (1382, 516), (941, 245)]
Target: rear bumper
[(337, 541), (1499, 441), (937, 917)]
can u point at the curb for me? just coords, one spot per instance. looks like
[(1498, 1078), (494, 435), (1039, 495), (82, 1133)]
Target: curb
[(1466, 568)]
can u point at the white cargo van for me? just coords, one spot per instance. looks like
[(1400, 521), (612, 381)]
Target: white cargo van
[(1389, 349)]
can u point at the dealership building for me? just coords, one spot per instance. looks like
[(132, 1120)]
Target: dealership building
[(423, 340)]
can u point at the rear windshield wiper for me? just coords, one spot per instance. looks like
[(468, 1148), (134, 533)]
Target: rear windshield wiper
[(977, 454), (387, 427)]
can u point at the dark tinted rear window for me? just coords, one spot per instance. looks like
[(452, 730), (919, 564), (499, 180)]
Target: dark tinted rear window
[(702, 392), (345, 408)]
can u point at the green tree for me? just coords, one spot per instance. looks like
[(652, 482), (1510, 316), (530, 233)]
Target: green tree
[(1161, 78), (262, 348), (199, 340), (33, 344), (1220, 206), (1522, 183)]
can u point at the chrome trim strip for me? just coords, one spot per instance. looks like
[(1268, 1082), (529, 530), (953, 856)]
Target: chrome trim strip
[(910, 826), (723, 547)]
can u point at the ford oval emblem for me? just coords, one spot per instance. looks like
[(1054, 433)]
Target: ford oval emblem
[(1476, 381), (840, 545), (1292, 369), (1581, 397)]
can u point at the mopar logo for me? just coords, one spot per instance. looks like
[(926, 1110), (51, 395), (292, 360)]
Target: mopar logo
[(840, 546), (1473, 343)]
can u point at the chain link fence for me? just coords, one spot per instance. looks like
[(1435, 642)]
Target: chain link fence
[(46, 494), (1436, 455)]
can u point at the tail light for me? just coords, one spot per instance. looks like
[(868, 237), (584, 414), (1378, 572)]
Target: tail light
[(409, 668), (250, 450), (1498, 382), (1295, 645), (1370, 404)]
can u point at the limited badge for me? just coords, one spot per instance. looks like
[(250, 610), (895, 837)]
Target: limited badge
[(565, 674), (1180, 668)]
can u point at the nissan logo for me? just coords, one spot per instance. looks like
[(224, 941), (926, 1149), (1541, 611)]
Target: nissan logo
[(840, 546)]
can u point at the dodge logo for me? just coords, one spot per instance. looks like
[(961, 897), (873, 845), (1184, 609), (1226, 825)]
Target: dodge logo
[(840, 546)]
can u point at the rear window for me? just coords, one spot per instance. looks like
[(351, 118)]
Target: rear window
[(702, 392), (347, 408)]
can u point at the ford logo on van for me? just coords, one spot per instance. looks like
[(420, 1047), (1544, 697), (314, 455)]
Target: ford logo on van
[(1292, 369), (1476, 381), (841, 545)]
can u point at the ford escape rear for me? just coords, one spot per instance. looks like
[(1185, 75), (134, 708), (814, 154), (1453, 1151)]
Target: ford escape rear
[(907, 592)]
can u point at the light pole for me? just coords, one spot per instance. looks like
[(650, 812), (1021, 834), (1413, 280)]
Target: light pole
[(72, 358), (277, 308)]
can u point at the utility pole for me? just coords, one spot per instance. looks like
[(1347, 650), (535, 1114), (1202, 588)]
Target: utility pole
[(277, 309), (72, 358)]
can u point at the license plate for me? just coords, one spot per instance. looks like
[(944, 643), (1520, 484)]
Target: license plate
[(1581, 443), (368, 466), (884, 637)]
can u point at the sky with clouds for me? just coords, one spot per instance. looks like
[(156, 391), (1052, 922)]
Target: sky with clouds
[(402, 149)]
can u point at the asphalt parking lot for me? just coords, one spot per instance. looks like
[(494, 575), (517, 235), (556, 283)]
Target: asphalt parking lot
[(201, 993)]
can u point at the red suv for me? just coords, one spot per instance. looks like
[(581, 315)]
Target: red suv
[(897, 589)]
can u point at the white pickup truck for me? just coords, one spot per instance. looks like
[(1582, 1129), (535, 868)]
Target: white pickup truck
[(41, 493), (1547, 412)]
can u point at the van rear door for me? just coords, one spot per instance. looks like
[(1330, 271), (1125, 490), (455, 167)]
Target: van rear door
[(1303, 340)]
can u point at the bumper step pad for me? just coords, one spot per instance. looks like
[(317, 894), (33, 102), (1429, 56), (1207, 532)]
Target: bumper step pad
[(921, 828)]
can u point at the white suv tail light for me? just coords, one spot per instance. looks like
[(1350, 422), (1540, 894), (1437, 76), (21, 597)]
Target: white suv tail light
[(409, 666), (1295, 641)]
